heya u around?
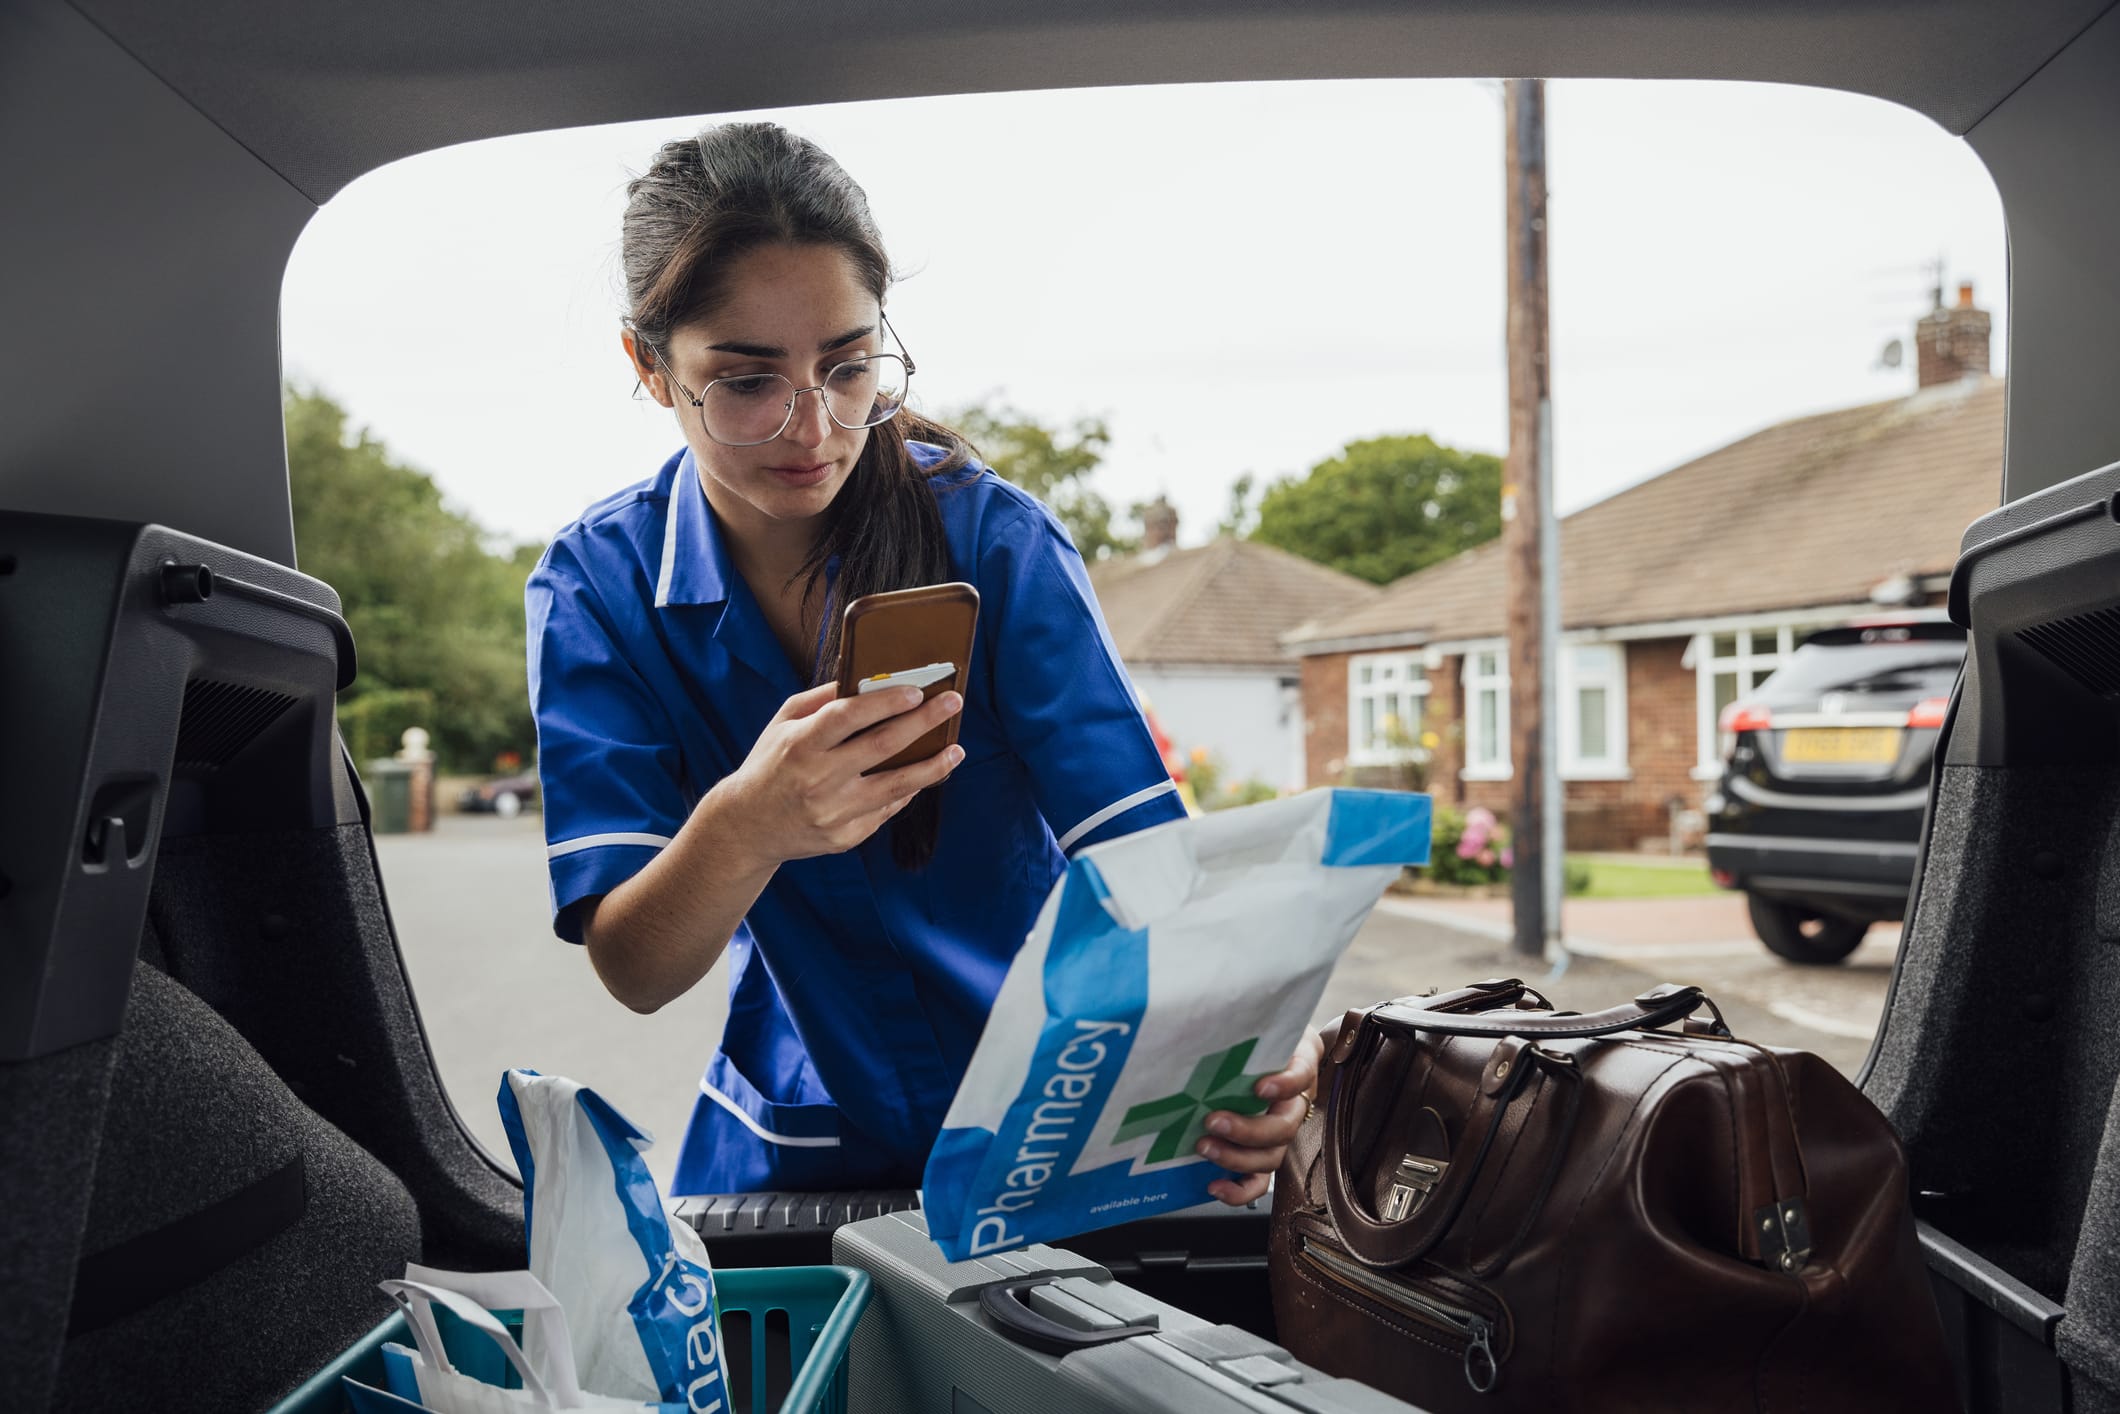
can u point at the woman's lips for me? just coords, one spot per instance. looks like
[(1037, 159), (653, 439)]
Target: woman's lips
[(801, 475)]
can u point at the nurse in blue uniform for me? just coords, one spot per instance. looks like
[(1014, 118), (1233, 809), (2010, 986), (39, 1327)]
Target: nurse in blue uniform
[(704, 791)]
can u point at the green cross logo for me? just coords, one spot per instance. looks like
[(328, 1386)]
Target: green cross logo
[(1218, 1083)]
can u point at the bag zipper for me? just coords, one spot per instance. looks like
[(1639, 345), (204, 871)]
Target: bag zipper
[(1482, 1368)]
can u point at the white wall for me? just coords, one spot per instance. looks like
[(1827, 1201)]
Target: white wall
[(1250, 721)]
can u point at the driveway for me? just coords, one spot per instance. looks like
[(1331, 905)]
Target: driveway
[(496, 989)]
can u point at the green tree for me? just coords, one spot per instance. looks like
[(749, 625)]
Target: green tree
[(435, 606), (1243, 514), (1053, 465), (1386, 507)]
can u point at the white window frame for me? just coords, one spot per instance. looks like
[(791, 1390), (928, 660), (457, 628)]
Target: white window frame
[(1612, 677), (1393, 677), (1751, 668), (1471, 684)]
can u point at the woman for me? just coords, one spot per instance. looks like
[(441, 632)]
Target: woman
[(703, 789)]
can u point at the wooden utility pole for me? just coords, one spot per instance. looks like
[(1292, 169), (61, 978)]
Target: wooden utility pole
[(1530, 535)]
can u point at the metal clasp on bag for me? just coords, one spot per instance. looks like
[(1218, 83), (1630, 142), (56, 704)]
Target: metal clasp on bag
[(1784, 1235), (1415, 1179)]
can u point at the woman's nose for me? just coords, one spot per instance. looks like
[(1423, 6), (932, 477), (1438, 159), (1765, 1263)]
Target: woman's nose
[(809, 424)]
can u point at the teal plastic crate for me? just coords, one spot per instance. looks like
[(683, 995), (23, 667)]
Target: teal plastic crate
[(784, 1337)]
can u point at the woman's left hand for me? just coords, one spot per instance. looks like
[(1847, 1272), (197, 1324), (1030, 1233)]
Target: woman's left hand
[(1253, 1145)]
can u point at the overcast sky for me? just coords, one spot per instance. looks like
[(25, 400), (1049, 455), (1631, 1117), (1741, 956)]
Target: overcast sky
[(1238, 277)]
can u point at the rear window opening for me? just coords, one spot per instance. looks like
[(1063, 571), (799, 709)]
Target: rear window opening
[(1191, 294)]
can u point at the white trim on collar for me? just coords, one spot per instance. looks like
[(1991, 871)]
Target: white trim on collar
[(669, 553)]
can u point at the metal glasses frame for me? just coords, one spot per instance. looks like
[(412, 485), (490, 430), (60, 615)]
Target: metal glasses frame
[(699, 400)]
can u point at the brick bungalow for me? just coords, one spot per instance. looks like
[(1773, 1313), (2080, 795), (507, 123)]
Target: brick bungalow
[(1200, 633), (1677, 596)]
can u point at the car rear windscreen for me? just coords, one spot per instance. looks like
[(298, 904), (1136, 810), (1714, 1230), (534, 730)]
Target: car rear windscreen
[(1922, 667)]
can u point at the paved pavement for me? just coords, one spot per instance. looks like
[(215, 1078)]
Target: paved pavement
[(497, 989)]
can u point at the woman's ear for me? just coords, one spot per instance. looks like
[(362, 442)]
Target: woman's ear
[(646, 368)]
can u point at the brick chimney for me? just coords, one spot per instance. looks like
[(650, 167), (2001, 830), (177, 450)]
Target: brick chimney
[(1952, 343), (1159, 523)]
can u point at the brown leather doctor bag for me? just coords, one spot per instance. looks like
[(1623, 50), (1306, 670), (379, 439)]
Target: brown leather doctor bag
[(1499, 1207)]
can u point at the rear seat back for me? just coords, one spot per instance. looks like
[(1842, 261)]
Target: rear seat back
[(233, 1238)]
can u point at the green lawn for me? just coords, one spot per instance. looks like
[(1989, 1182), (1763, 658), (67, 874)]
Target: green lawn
[(1643, 878)]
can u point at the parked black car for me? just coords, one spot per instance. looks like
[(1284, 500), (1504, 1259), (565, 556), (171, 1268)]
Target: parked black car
[(504, 796), (1825, 772), (220, 1118)]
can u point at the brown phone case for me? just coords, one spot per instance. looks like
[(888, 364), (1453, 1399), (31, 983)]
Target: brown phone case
[(911, 628)]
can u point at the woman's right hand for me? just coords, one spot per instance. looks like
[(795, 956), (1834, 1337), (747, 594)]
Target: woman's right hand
[(801, 791)]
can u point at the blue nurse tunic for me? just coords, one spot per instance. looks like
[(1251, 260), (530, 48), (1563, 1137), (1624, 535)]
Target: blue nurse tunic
[(857, 989)]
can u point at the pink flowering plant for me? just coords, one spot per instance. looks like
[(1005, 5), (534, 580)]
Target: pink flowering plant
[(1471, 847)]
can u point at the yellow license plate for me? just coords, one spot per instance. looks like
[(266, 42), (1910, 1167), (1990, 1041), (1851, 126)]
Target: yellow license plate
[(1840, 746)]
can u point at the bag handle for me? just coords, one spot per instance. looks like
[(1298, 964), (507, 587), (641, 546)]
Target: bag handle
[(417, 1297), (1006, 1305), (545, 1340), (1659, 1006), (1479, 1010), (1479, 996)]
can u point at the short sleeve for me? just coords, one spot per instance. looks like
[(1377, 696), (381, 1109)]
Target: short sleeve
[(1065, 703), (609, 765)]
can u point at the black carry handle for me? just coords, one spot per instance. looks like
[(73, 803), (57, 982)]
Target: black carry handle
[(1659, 1006), (1005, 1307)]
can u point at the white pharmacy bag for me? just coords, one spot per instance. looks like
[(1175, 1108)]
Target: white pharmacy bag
[(1168, 972), (637, 1288)]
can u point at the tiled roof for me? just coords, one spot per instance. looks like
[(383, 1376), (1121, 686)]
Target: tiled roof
[(1226, 604), (1814, 511)]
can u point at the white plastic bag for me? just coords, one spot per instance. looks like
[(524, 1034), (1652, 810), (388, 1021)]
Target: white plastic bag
[(1169, 971), (637, 1289)]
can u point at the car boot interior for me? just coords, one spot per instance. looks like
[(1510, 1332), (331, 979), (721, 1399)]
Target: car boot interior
[(202, 1007), (1997, 1055)]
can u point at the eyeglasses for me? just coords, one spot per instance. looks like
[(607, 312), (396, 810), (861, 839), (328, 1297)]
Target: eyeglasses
[(748, 409)]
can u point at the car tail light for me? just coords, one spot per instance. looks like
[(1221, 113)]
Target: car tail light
[(1929, 712), (1746, 717), (1741, 717), (1722, 877)]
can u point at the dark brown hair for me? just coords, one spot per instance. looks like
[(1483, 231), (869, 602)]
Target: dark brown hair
[(705, 201)]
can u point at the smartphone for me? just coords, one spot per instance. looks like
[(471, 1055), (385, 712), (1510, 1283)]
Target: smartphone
[(912, 638)]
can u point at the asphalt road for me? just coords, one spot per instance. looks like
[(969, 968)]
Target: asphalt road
[(497, 989)]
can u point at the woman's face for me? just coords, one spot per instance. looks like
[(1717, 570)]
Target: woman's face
[(794, 310)]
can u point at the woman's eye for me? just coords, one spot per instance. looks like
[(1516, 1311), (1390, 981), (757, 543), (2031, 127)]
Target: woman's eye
[(755, 385), (858, 372)]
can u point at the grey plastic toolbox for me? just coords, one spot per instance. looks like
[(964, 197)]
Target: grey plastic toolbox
[(1209, 1260), (1042, 1329)]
